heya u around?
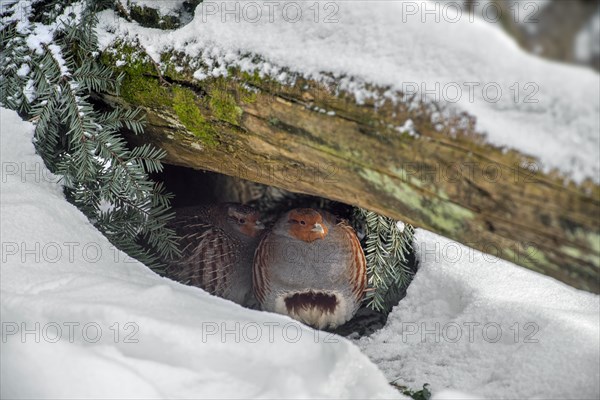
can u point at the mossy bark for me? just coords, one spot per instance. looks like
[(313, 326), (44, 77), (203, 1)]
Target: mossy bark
[(305, 139)]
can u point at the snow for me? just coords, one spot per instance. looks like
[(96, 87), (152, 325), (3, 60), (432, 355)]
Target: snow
[(108, 327), (476, 324), (408, 127), (57, 54), (41, 35), (80, 319), (542, 108), (29, 91), (454, 395), (23, 70), (400, 225), (38, 34)]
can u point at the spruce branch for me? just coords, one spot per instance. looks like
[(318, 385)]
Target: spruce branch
[(387, 250), (108, 181)]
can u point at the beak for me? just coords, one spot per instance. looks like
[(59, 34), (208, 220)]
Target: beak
[(259, 225), (318, 228)]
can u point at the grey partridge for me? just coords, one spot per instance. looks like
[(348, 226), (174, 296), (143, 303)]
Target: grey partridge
[(311, 267), (217, 246)]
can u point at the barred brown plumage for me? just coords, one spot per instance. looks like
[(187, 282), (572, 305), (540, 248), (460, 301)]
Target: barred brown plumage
[(217, 245), (311, 267)]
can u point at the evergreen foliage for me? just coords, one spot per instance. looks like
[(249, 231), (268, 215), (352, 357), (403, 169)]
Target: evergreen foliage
[(388, 252), (52, 84)]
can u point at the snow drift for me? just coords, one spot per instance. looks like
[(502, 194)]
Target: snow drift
[(481, 325)]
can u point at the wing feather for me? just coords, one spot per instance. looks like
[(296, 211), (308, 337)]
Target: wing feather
[(260, 270), (357, 267), (208, 256)]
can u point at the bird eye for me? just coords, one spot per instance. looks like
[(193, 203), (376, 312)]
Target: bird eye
[(302, 223), (242, 221)]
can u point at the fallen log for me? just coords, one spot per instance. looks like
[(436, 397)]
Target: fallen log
[(308, 138)]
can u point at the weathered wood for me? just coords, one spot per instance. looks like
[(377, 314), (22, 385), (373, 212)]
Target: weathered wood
[(306, 139)]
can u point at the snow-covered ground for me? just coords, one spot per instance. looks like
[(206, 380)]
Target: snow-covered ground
[(542, 108), (81, 320), (482, 325)]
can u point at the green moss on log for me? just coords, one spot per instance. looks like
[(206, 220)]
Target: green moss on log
[(188, 112), (224, 107), (142, 87)]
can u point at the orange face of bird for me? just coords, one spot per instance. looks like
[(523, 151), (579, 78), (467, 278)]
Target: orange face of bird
[(306, 224), (246, 222)]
